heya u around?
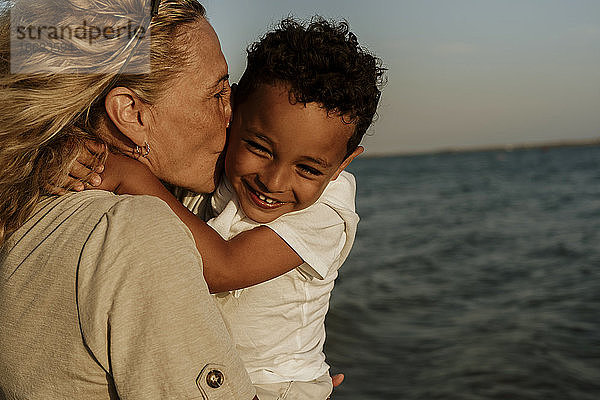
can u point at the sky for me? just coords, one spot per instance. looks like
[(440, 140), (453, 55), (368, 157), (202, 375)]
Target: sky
[(462, 73)]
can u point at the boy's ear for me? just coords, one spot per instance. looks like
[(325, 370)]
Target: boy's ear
[(347, 161), (125, 110)]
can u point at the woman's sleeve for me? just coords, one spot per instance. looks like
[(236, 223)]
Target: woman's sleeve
[(145, 311)]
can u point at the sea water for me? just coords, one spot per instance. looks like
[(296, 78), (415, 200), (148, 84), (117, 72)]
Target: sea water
[(473, 276)]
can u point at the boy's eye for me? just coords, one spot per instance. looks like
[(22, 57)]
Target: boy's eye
[(257, 148), (309, 170)]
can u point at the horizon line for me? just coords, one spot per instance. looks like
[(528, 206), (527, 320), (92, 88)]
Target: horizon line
[(494, 147)]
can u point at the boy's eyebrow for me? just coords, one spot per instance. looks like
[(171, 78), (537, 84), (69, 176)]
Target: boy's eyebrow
[(261, 136), (318, 161)]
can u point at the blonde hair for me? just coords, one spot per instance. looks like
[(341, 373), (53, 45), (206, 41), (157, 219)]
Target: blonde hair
[(46, 116)]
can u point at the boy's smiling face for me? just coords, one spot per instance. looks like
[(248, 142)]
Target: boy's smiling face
[(281, 156)]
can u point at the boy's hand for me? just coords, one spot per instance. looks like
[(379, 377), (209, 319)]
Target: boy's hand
[(337, 380), (105, 176), (119, 173), (84, 171)]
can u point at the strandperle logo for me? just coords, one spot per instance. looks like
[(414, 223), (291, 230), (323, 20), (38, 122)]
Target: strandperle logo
[(48, 40), (86, 31)]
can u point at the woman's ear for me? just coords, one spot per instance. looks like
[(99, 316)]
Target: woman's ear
[(125, 111), (347, 161)]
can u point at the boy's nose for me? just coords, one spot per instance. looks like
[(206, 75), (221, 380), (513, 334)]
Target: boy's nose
[(273, 180)]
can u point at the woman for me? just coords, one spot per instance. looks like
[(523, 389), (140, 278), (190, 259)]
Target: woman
[(102, 296)]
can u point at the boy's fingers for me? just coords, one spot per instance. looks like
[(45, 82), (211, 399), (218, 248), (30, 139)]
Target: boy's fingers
[(95, 147), (74, 184), (82, 172), (79, 170), (87, 181), (87, 159), (337, 379), (71, 184), (91, 156)]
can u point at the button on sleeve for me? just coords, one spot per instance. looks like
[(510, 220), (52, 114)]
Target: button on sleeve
[(213, 383)]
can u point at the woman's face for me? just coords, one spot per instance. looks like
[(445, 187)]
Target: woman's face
[(190, 119)]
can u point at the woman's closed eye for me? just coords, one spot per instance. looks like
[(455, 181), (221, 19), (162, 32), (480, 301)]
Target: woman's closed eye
[(223, 92)]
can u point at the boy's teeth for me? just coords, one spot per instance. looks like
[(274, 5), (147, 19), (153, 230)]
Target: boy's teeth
[(265, 199)]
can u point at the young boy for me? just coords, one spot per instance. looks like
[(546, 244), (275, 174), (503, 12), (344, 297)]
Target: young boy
[(285, 209)]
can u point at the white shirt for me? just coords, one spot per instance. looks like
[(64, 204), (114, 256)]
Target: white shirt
[(278, 326)]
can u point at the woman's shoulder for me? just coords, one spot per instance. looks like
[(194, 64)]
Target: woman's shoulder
[(78, 219), (80, 213), (139, 232), (98, 203), (127, 224)]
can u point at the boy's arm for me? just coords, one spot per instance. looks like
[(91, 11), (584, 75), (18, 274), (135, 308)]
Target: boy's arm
[(249, 258)]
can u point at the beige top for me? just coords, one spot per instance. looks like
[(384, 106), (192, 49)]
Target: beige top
[(103, 297)]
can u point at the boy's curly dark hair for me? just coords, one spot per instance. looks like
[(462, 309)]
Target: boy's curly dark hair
[(322, 62)]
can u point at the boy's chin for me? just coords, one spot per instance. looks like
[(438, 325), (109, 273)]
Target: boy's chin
[(261, 217)]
